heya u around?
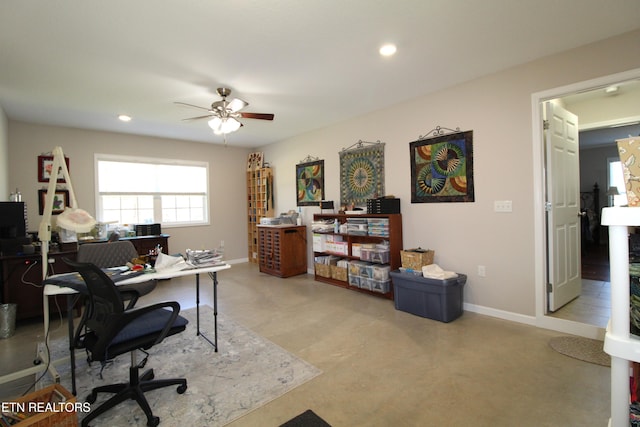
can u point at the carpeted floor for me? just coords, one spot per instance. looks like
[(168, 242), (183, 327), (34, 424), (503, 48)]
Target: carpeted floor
[(586, 349), (247, 372)]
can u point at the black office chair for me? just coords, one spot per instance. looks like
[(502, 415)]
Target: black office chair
[(116, 254), (113, 330)]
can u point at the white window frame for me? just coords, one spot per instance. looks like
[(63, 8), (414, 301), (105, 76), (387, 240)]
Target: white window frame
[(157, 204)]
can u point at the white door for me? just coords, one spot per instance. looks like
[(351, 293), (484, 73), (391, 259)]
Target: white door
[(563, 201)]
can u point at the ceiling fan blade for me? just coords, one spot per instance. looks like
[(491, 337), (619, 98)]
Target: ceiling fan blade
[(260, 116), (236, 105), (191, 105), (198, 117)]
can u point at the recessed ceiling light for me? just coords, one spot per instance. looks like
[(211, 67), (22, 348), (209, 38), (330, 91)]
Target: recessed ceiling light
[(611, 90), (124, 118), (388, 49)]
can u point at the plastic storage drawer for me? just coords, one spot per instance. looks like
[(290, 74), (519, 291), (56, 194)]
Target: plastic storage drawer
[(431, 298)]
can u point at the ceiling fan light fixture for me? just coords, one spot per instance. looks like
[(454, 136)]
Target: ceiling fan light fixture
[(224, 125), (222, 116)]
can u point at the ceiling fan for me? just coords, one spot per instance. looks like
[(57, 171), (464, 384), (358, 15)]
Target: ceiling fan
[(223, 115)]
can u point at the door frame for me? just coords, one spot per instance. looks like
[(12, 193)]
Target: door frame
[(539, 185)]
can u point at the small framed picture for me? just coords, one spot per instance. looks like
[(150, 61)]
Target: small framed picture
[(60, 201), (255, 161), (310, 183), (45, 164)]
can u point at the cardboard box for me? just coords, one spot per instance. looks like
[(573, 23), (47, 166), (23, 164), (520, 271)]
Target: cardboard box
[(339, 273), (416, 258), (52, 394), (434, 299), (629, 151), (355, 249), (319, 242), (323, 270)]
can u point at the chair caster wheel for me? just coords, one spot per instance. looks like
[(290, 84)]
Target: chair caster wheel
[(153, 421), (181, 389), (91, 398)]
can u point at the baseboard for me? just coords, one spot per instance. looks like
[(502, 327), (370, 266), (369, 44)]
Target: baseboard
[(500, 314), (545, 322), (237, 261)]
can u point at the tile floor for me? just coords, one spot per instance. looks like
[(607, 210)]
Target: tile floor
[(592, 307), (384, 367)]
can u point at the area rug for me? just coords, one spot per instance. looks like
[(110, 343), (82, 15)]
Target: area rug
[(307, 419), (586, 349), (247, 372)]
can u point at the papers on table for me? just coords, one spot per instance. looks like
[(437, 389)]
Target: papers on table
[(165, 263), (204, 258)]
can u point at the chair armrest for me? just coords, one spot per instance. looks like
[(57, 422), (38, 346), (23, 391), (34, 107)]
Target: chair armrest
[(131, 296)]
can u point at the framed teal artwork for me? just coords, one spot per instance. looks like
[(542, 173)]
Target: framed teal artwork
[(310, 183), (361, 174)]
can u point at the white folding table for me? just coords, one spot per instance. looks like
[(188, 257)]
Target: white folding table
[(55, 289)]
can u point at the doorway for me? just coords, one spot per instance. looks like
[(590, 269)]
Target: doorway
[(601, 185), (568, 95)]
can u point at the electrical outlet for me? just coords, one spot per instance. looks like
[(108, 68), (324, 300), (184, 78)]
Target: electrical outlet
[(221, 244), (482, 271), (51, 260)]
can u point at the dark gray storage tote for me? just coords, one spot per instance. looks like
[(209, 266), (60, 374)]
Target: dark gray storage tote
[(431, 298)]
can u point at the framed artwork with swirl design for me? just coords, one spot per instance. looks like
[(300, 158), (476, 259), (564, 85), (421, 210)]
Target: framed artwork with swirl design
[(361, 173), (310, 183), (442, 168)]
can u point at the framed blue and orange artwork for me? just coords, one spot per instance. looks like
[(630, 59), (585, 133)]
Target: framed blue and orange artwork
[(310, 183), (442, 168)]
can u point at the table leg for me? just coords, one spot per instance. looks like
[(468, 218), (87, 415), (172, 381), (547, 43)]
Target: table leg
[(214, 279), (72, 352), (197, 304), (215, 310)]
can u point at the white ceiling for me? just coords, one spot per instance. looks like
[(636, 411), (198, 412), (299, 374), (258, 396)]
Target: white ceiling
[(312, 63)]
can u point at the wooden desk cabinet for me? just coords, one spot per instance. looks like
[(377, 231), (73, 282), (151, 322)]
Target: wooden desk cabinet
[(282, 250), (22, 282), (21, 275)]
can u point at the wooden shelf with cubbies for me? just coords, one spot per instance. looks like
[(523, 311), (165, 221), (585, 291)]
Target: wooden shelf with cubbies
[(349, 247), (259, 205)]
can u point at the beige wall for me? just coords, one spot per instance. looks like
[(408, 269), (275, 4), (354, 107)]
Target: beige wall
[(226, 177), (593, 113), (498, 110)]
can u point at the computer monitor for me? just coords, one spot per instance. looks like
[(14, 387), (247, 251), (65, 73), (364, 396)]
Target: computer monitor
[(13, 220)]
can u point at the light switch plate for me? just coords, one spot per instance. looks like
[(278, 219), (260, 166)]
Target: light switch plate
[(503, 206)]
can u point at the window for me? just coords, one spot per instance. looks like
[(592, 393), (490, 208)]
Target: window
[(616, 182), (145, 191)]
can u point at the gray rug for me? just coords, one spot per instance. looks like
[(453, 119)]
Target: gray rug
[(247, 372), (586, 349)]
